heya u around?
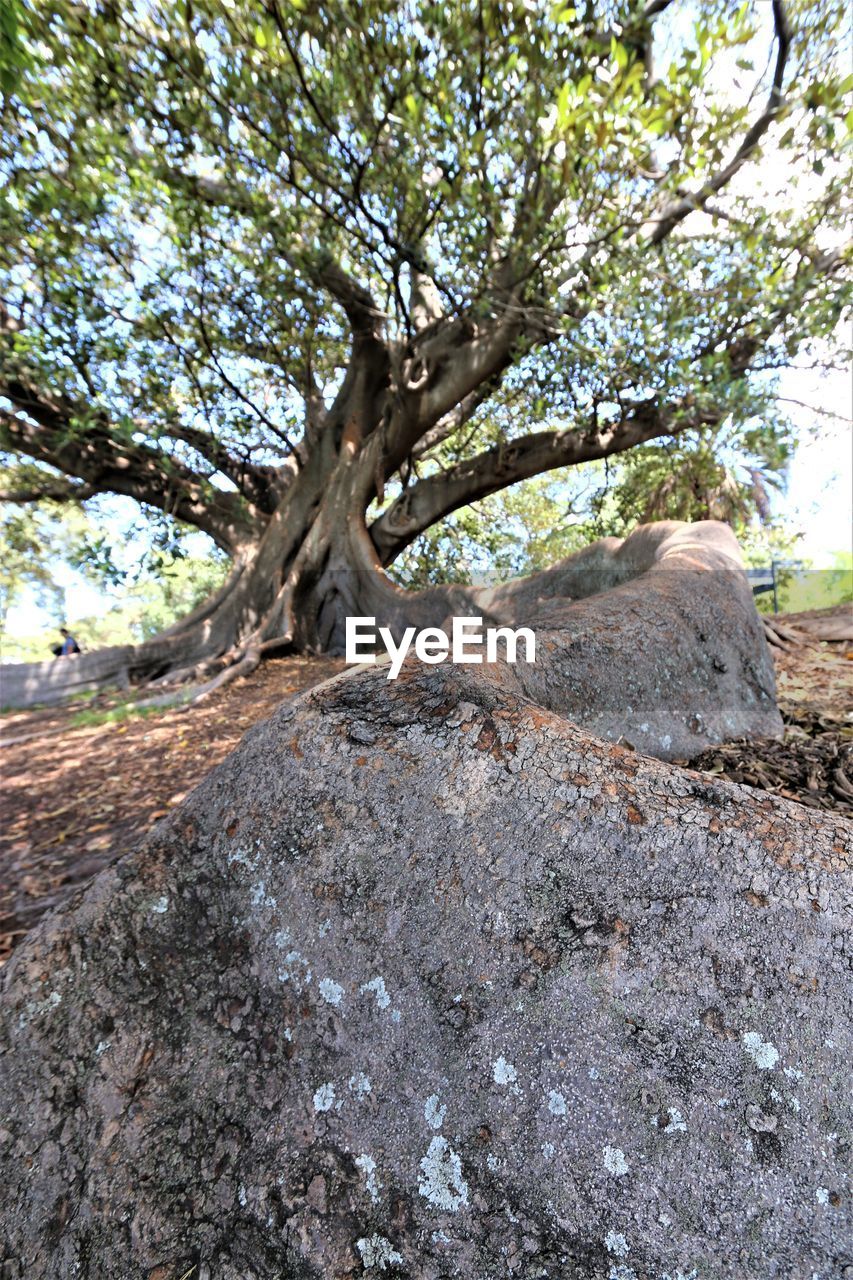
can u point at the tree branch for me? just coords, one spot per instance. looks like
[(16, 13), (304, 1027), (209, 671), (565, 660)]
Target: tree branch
[(425, 306), (676, 213), (53, 432), (53, 490), (453, 363), (365, 317), (361, 310), (436, 496), (451, 422), (261, 485)]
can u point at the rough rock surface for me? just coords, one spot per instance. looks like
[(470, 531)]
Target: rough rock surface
[(423, 981), (652, 640)]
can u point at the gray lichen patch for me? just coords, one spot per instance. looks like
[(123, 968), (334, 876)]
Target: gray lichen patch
[(672, 1121), (331, 991), (377, 1253), (615, 1243), (441, 1180), (377, 987), (324, 1097), (764, 1054), (359, 1084), (503, 1072), (613, 1159), (434, 1111), (296, 970), (367, 1165), (556, 1103), (260, 897)]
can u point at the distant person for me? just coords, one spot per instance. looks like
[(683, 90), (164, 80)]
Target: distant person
[(69, 644)]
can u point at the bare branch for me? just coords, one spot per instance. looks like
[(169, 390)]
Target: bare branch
[(261, 485), (365, 317), (816, 409)]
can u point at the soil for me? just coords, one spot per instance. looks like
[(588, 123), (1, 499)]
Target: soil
[(813, 763), (75, 796), (77, 793)]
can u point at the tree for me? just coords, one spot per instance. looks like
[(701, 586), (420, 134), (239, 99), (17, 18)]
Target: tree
[(311, 278), (25, 537), (34, 539)]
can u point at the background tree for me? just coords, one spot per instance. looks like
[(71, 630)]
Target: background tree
[(136, 609), (719, 473), (25, 564), (145, 578), (310, 278)]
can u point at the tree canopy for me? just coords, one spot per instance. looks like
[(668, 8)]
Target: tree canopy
[(467, 242)]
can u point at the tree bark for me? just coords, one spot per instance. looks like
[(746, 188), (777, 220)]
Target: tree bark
[(425, 954)]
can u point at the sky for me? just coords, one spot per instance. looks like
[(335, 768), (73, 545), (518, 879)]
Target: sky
[(819, 497)]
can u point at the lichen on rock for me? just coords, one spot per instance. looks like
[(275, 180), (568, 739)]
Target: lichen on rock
[(599, 1026)]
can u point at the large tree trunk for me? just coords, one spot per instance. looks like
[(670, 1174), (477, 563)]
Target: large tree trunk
[(305, 560), (652, 640), (295, 577), (302, 553)]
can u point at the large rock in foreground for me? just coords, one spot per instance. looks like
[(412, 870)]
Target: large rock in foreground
[(425, 982)]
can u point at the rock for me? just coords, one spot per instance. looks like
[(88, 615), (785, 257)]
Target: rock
[(482, 997), (652, 641)]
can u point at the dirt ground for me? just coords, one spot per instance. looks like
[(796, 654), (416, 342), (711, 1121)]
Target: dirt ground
[(81, 783), (813, 763), (76, 795)]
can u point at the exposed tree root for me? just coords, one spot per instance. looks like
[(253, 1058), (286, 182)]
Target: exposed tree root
[(302, 603), (236, 664), (782, 637)]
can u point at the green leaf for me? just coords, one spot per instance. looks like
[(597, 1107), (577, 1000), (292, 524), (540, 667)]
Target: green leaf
[(618, 53)]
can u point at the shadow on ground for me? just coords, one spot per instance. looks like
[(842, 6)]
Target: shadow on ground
[(83, 782)]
